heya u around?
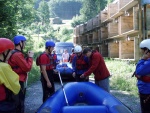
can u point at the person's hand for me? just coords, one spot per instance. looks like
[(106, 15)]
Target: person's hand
[(74, 74), (30, 53), (49, 85), (82, 76)]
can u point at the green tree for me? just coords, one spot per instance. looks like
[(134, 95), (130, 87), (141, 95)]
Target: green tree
[(8, 26), (91, 8), (14, 15), (65, 9), (44, 12), (76, 20), (88, 10), (26, 13), (101, 4)]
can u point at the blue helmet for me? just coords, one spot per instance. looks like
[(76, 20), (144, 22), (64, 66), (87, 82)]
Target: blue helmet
[(49, 44), (19, 38)]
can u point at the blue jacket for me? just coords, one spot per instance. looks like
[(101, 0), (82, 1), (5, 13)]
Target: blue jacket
[(143, 69), (74, 64)]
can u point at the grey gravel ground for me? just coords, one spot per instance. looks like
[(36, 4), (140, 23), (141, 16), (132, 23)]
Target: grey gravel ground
[(34, 98)]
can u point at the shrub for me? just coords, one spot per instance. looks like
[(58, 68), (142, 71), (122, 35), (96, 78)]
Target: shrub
[(77, 20)]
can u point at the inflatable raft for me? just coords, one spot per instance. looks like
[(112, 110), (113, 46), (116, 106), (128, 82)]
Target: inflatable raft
[(64, 68), (82, 97)]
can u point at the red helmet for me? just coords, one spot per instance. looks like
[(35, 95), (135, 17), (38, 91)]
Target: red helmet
[(6, 44)]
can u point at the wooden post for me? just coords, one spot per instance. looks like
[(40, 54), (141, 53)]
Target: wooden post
[(136, 49), (140, 20), (140, 37), (143, 18)]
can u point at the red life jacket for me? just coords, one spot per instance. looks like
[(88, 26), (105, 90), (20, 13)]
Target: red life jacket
[(80, 63), (51, 64), (54, 56), (144, 78), (13, 67), (54, 60)]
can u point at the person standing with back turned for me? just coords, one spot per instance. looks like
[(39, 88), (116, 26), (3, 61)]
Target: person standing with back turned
[(9, 80), (47, 65), (98, 68), (142, 73), (21, 66)]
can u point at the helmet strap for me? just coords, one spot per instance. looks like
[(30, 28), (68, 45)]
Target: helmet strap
[(49, 49), (21, 47), (5, 56)]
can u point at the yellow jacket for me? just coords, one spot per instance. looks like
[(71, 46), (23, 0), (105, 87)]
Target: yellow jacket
[(9, 78)]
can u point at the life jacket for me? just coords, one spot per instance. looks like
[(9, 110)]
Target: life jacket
[(81, 64), (2, 92), (55, 59), (143, 78), (5, 93), (12, 52), (54, 56), (7, 100), (51, 63)]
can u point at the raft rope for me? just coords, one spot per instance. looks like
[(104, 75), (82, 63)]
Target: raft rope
[(63, 89)]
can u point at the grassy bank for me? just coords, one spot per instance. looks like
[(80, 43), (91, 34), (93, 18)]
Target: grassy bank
[(121, 78), (121, 72)]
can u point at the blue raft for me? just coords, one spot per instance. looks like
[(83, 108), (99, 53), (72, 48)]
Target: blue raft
[(64, 68), (83, 97)]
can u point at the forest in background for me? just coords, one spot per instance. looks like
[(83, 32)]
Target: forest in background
[(28, 17)]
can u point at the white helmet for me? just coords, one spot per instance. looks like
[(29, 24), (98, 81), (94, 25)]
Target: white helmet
[(77, 49), (145, 44)]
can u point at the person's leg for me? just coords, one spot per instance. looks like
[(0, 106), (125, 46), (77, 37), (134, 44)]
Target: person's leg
[(145, 103), (44, 85), (22, 96), (104, 84), (50, 91), (47, 92)]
